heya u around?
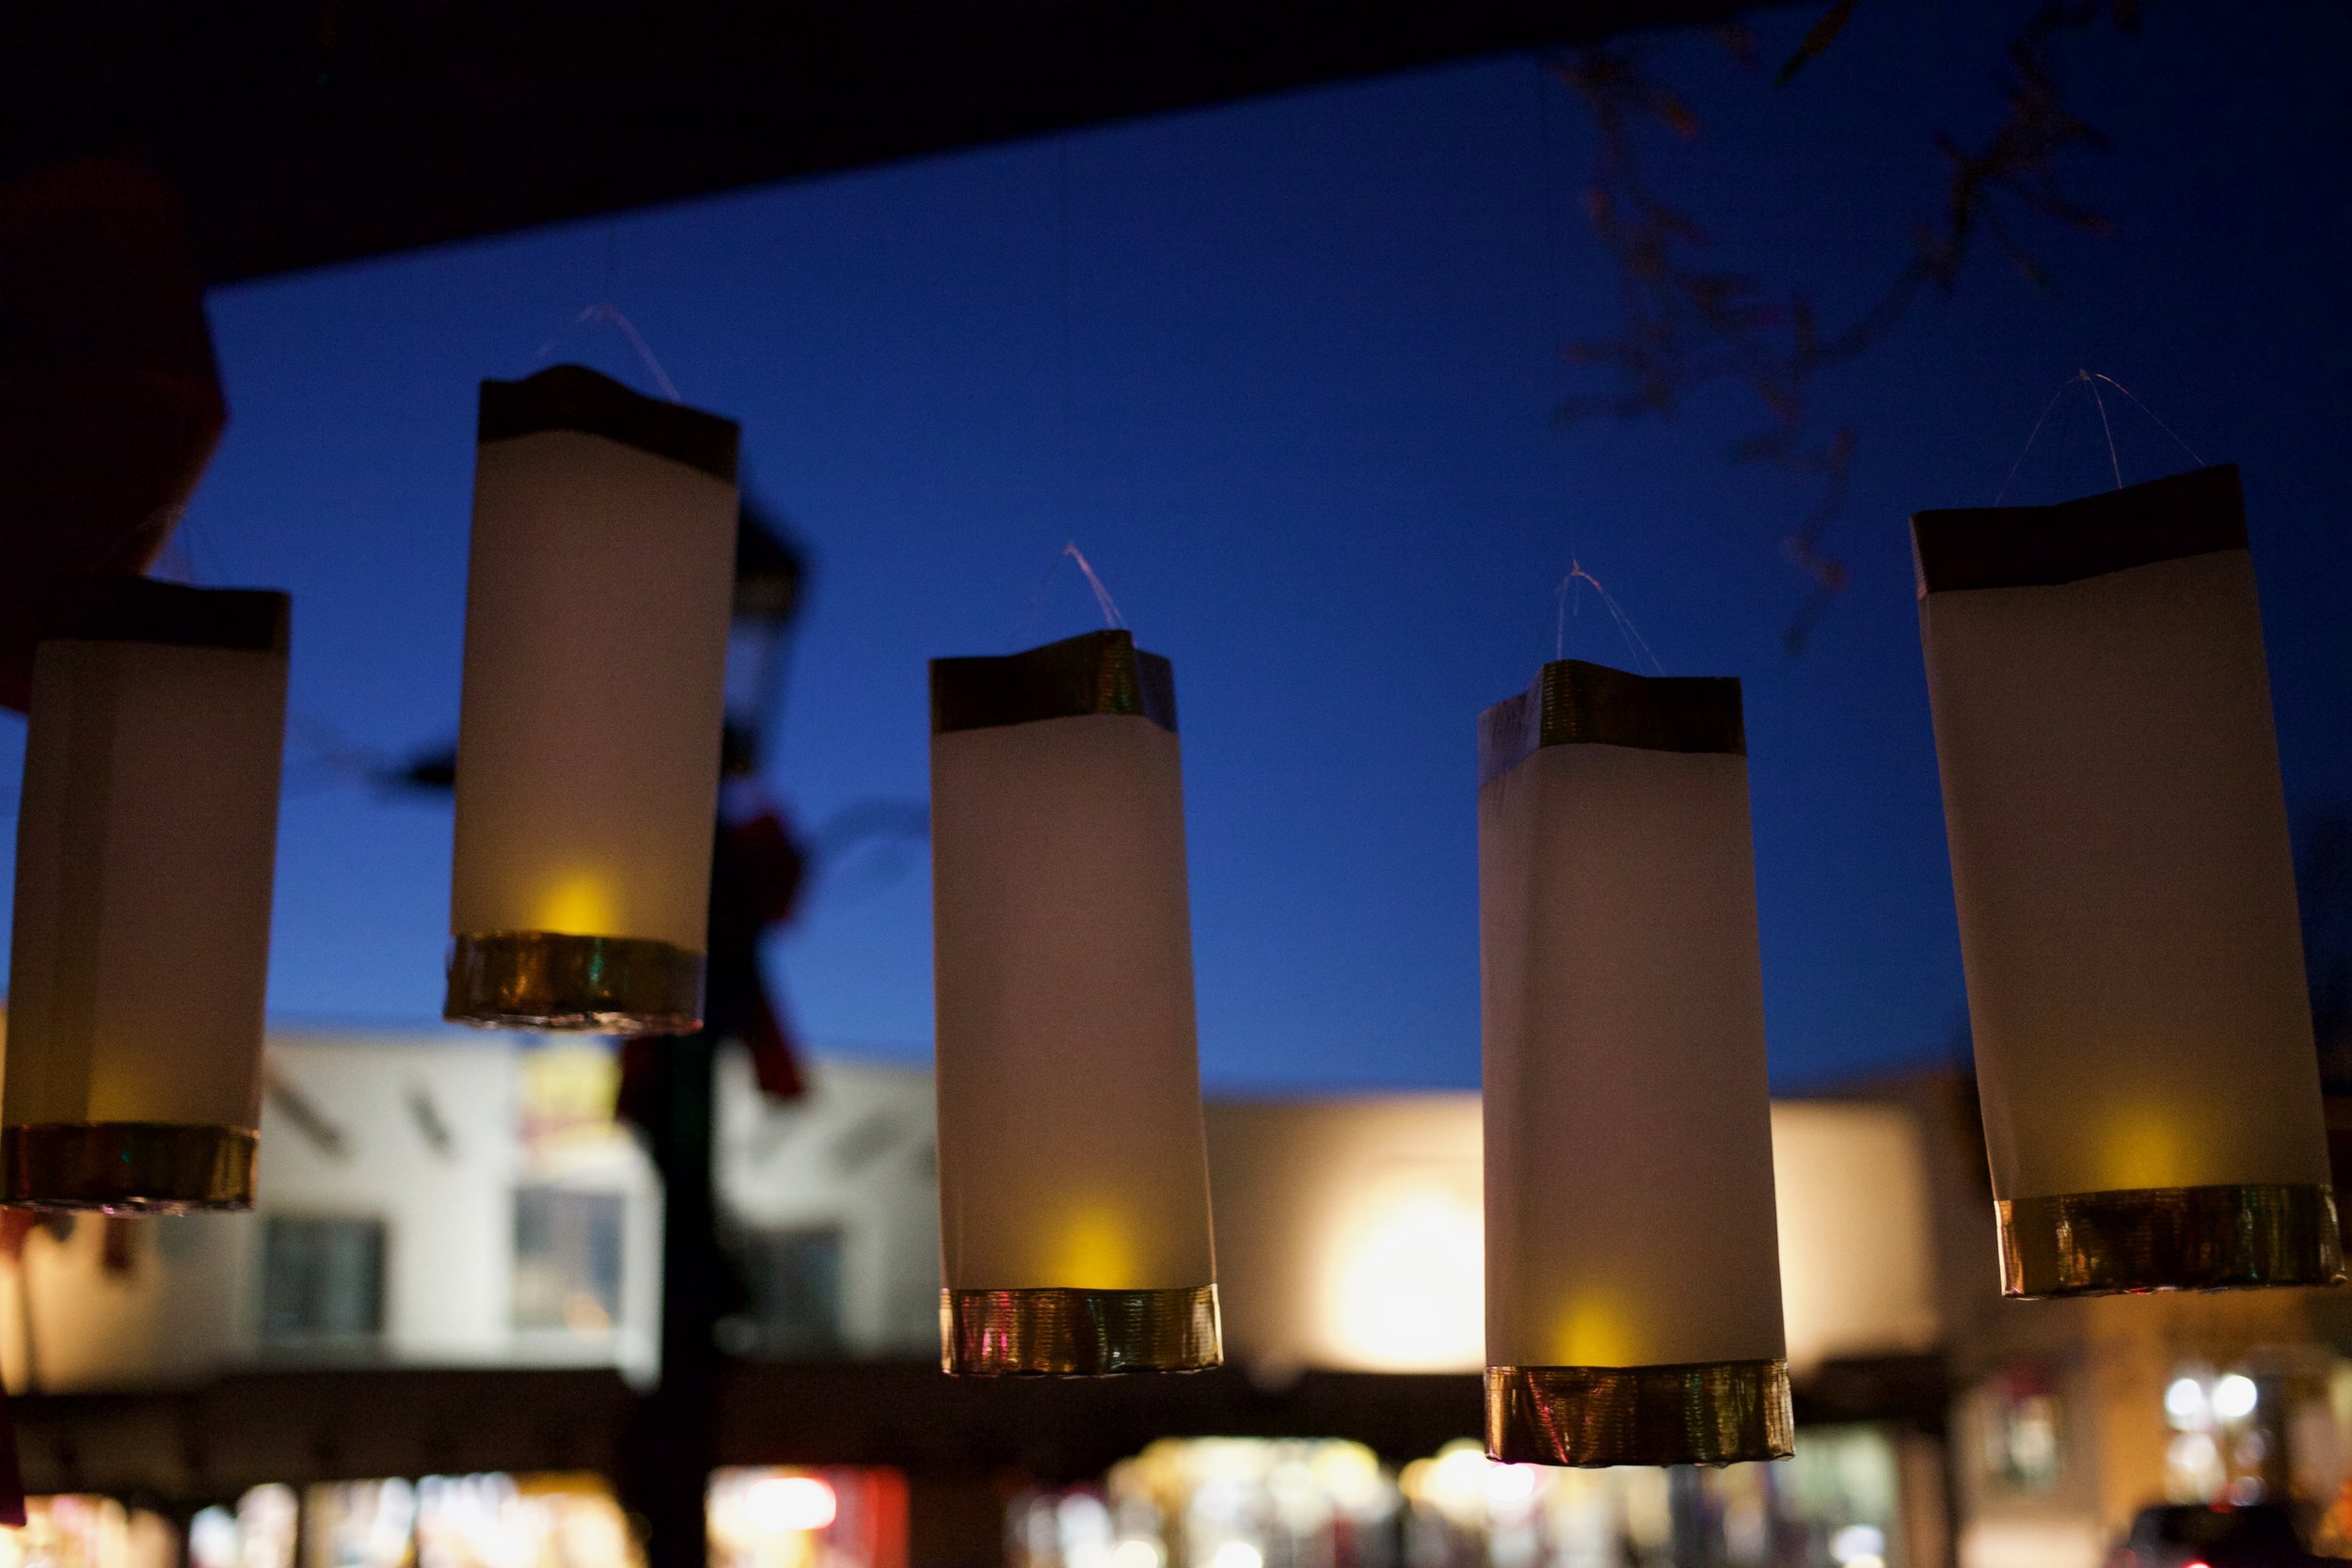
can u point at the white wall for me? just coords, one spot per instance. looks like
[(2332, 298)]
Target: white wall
[(1348, 1231), (190, 1302), (858, 1152), (1857, 1243)]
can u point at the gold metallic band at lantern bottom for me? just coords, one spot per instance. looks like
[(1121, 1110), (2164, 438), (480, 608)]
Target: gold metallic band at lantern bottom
[(551, 981), (2221, 1238), (1059, 1332), (1700, 1413), (127, 1168)]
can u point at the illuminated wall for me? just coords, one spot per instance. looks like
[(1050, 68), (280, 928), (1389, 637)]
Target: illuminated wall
[(1349, 1230)]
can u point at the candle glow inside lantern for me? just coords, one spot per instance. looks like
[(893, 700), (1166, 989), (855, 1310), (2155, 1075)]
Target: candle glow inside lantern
[(598, 597), (1073, 1168), (146, 846), (1633, 1311), (2127, 893)]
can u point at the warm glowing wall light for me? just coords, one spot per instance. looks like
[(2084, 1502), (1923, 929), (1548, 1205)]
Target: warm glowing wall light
[(1403, 1270)]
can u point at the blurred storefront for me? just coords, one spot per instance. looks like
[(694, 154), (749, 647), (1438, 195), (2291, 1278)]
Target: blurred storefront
[(767, 1517), (452, 1269), (72, 1532), (1234, 1503)]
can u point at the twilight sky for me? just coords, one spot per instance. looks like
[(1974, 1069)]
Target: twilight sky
[(1311, 351)]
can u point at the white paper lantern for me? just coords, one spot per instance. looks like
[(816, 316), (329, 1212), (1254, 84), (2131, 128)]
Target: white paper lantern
[(2126, 892), (1072, 1171), (146, 844), (1633, 1311), (597, 606)]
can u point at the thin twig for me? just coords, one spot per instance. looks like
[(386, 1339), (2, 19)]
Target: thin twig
[(1685, 325)]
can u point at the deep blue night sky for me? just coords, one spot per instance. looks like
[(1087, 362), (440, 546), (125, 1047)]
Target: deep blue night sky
[(1311, 354)]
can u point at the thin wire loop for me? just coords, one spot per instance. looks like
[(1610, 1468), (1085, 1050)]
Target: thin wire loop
[(2031, 437), (605, 311), (1636, 646), (2113, 461), (2089, 380), (2153, 414), (1103, 600)]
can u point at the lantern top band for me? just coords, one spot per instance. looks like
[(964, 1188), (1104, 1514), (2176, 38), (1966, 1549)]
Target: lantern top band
[(2197, 512), (1101, 672), (1576, 703), (142, 609), (575, 398)]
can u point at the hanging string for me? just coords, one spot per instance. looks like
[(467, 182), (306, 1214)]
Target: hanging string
[(1555, 291), (2107, 430), (2089, 380), (1068, 497), (1066, 485), (1567, 602), (605, 312), (1102, 594), (1103, 601), (1568, 598), (1552, 282), (2153, 414), (2031, 437)]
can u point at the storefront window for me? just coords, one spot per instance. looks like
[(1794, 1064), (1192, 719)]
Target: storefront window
[(74, 1532), (568, 1260), (835, 1517), (1218, 1503), (322, 1278), (1836, 1505), (2227, 1438), (2021, 1430), (360, 1524), (795, 1279), (260, 1532), (1236, 1503)]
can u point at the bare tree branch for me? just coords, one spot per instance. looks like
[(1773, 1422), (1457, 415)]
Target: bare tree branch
[(1684, 325)]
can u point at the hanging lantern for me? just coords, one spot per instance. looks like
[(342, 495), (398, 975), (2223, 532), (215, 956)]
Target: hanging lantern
[(2126, 892), (1073, 1170), (596, 607), (1632, 1259), (146, 845)]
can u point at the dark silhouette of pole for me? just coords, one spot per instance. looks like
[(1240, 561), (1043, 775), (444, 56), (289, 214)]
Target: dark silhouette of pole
[(674, 1439)]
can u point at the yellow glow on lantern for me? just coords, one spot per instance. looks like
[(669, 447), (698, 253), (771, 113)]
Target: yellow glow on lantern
[(2139, 1149), (1595, 1331), (1096, 1252), (579, 905)]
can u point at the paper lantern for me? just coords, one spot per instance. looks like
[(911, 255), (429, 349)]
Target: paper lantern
[(146, 844), (2126, 892), (597, 609), (1072, 1171), (1633, 1262)]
